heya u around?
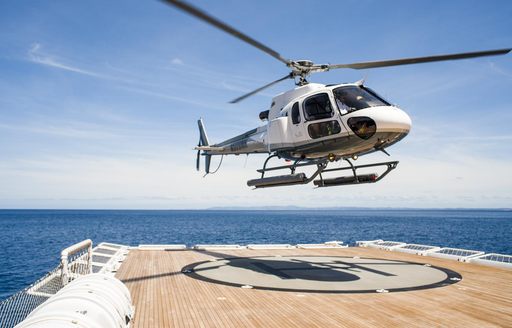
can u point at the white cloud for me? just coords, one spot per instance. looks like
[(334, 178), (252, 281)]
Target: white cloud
[(35, 55), (190, 101), (63, 129), (169, 180), (500, 70), (177, 61)]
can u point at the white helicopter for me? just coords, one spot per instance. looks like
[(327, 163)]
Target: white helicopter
[(316, 124)]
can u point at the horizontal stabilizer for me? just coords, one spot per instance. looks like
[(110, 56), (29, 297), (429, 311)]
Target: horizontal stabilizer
[(209, 148)]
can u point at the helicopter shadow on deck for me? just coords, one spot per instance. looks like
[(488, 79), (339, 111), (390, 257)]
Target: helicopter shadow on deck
[(321, 271), (290, 269)]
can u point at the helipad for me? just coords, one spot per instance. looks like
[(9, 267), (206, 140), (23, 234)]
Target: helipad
[(321, 274), (337, 287)]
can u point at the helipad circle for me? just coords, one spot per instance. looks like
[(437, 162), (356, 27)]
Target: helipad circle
[(322, 274)]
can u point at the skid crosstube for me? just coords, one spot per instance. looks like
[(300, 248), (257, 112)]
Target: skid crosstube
[(301, 178)]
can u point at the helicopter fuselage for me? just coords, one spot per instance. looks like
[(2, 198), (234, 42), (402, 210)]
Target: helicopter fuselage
[(315, 121)]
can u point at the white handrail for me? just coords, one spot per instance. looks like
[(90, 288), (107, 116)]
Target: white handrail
[(71, 250)]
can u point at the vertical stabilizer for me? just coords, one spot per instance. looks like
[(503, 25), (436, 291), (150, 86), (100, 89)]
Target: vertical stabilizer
[(203, 141), (203, 138)]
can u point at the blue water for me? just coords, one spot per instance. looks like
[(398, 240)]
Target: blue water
[(31, 240)]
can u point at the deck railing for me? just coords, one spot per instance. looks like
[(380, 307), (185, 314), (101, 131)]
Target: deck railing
[(75, 261)]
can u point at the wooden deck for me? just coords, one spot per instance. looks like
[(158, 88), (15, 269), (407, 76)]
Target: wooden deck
[(166, 297)]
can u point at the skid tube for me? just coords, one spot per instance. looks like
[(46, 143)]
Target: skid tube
[(301, 178), (355, 178)]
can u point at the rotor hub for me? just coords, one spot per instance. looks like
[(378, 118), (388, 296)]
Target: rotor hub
[(304, 63)]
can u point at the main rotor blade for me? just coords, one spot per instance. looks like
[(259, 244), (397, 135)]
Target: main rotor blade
[(289, 76), (418, 60), (198, 13)]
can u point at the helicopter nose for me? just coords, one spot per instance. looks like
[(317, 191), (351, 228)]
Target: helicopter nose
[(403, 121), (389, 123), (393, 119)]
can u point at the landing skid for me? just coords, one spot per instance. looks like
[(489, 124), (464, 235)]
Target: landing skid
[(355, 178), (321, 168)]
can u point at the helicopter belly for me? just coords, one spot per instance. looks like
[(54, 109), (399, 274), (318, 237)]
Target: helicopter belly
[(344, 146)]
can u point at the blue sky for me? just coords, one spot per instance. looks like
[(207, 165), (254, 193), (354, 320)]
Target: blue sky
[(99, 100)]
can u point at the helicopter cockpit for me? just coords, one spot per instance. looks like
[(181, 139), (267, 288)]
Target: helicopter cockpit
[(352, 98)]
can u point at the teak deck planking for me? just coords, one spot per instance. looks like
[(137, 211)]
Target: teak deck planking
[(163, 296)]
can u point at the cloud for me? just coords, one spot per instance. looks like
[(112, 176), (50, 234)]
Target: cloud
[(500, 70), (35, 55), (217, 80), (189, 101), (63, 129), (177, 61), (136, 83), (206, 73), (130, 81), (159, 180)]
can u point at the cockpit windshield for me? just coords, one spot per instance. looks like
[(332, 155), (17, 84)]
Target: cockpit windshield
[(352, 98)]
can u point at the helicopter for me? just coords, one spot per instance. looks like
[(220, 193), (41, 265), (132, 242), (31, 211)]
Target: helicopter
[(316, 124)]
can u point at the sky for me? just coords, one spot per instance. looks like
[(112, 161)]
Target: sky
[(99, 100)]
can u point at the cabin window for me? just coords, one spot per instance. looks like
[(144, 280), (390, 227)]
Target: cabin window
[(295, 113), (354, 98), (323, 129), (318, 107)]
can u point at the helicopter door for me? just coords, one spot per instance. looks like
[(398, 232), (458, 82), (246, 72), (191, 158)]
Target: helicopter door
[(321, 118), (296, 127)]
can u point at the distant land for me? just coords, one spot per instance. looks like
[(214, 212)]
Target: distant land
[(272, 208), (299, 208)]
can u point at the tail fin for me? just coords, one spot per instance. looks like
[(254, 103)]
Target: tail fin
[(203, 138), (203, 141)]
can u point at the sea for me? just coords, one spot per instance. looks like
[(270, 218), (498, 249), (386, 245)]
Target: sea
[(31, 240)]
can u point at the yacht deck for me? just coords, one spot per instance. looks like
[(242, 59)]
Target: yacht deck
[(313, 288)]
